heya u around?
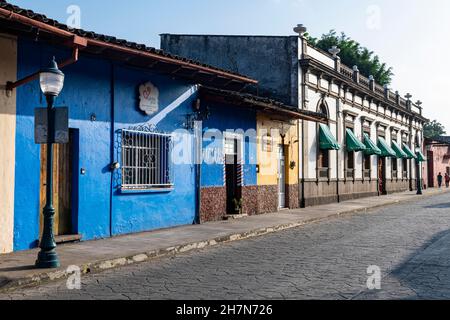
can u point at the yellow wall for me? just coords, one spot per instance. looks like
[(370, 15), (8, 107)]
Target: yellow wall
[(8, 72), (268, 161)]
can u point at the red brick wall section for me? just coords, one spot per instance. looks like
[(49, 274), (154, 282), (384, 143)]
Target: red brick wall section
[(255, 200), (292, 196), (213, 204), (250, 200), (267, 199)]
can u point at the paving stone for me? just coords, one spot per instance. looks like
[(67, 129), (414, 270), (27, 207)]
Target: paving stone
[(327, 260)]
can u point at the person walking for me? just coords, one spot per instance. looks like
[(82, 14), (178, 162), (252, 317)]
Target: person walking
[(440, 178), (447, 180)]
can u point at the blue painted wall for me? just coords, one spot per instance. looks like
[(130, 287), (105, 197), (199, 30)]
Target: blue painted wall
[(27, 173), (146, 211), (96, 87), (86, 91), (225, 117)]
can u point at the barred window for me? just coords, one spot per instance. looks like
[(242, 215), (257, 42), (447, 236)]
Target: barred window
[(145, 160)]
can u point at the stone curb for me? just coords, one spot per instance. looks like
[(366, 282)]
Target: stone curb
[(7, 285)]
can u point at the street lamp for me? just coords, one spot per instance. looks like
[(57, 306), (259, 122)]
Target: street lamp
[(51, 82), (419, 178)]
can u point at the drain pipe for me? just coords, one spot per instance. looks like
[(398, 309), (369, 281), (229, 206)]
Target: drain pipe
[(338, 118), (198, 133), (411, 160), (301, 30)]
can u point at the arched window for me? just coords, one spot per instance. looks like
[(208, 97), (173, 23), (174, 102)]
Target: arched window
[(323, 108), (323, 156), (417, 142)]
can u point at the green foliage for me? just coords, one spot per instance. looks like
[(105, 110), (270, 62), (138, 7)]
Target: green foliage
[(352, 53), (433, 129), (237, 203)]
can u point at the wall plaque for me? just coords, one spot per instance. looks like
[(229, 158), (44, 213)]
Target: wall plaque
[(149, 98)]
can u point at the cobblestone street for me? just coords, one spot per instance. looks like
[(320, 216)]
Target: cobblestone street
[(410, 243)]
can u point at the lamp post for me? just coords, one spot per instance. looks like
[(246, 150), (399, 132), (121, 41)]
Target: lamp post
[(419, 170), (51, 82)]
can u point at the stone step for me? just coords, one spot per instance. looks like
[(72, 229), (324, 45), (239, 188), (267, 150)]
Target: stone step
[(234, 216)]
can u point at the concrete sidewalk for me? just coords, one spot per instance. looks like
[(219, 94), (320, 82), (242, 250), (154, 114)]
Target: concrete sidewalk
[(17, 269)]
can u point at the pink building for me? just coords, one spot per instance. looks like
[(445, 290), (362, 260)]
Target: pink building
[(438, 154)]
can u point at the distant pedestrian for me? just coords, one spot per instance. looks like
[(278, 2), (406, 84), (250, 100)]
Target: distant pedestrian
[(440, 178), (447, 180)]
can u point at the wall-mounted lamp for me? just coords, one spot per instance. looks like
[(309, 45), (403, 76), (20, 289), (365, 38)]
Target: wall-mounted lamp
[(199, 114), (197, 105), (115, 166), (8, 92), (292, 165)]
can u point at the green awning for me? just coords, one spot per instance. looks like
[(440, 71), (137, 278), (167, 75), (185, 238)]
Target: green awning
[(421, 157), (371, 148), (408, 152), (353, 143), (398, 151), (386, 151), (327, 140)]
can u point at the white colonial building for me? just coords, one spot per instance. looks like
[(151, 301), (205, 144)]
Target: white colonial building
[(368, 145), (377, 132)]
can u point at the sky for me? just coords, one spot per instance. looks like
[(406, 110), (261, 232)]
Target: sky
[(412, 36)]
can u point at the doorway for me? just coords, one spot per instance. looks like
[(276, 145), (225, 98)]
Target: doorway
[(281, 177), (382, 175), (430, 156), (62, 186), (233, 171)]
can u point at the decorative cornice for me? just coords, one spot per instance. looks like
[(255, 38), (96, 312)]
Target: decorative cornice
[(309, 64), (364, 119), (351, 113), (381, 124)]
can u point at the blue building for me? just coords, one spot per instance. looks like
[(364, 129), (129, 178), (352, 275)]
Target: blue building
[(138, 118)]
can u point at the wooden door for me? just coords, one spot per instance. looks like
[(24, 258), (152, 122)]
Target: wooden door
[(62, 186)]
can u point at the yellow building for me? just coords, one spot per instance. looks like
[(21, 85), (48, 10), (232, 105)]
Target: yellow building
[(278, 164)]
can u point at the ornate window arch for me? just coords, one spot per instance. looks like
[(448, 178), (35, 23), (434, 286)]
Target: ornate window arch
[(322, 107), (323, 156), (417, 140)]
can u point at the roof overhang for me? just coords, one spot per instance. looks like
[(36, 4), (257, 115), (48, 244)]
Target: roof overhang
[(437, 142), (21, 22), (277, 110)]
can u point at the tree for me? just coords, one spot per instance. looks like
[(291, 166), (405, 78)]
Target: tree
[(433, 129), (352, 53)]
